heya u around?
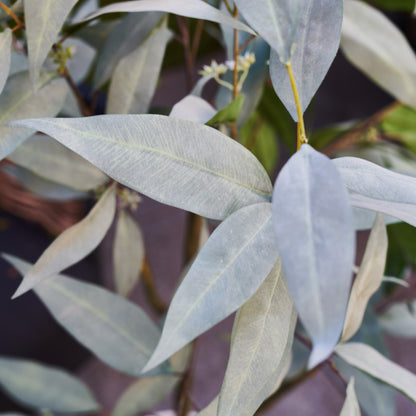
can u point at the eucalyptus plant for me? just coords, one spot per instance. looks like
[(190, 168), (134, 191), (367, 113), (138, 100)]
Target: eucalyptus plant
[(282, 255)]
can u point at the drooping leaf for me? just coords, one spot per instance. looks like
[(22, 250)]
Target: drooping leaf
[(351, 406), (196, 9), (181, 163), (73, 244), (227, 272), (317, 31), (193, 108), (260, 346), (400, 320), (229, 114), (100, 320), (5, 53), (126, 36), (144, 394), (50, 160), (315, 232), (369, 360), (128, 253), (132, 91), (378, 48), (43, 387), (19, 101), (43, 21), (368, 279)]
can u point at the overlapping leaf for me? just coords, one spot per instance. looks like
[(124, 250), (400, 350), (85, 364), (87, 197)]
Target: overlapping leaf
[(18, 101), (73, 244), (261, 344), (400, 320), (227, 272), (43, 387), (100, 320), (316, 240), (5, 53), (193, 108), (351, 406), (378, 48), (181, 163), (132, 91)]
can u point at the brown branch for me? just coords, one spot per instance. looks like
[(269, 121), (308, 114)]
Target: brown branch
[(245, 44), (184, 401), (227, 5), (11, 13), (183, 23), (149, 283), (197, 39)]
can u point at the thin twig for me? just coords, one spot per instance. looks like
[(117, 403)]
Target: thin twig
[(183, 24), (149, 283), (227, 5), (85, 110), (12, 14), (197, 39), (245, 44)]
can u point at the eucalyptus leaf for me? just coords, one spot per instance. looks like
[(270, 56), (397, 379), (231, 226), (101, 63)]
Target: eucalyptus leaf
[(43, 21), (181, 163), (378, 48), (132, 91), (229, 114), (369, 360), (196, 9), (128, 253), (226, 273), (18, 101), (123, 39), (193, 108), (5, 53), (44, 387), (261, 344), (100, 320), (144, 394), (368, 279), (19, 63), (399, 320), (351, 406), (211, 409), (316, 239), (50, 160), (73, 244), (313, 49)]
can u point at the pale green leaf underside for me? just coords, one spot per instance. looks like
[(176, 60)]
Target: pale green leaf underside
[(100, 320), (43, 20), (261, 343), (227, 272), (316, 240), (18, 101), (400, 320), (351, 406), (367, 359), (5, 53), (196, 9), (177, 162), (73, 244), (193, 108), (368, 279), (43, 387)]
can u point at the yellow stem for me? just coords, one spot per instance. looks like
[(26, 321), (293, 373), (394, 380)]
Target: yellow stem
[(10, 12), (301, 124)]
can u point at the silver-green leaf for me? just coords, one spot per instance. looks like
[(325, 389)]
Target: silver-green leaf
[(100, 320), (181, 163), (5, 53), (351, 406), (193, 108), (73, 244), (227, 272), (399, 320), (43, 387), (316, 239), (261, 343)]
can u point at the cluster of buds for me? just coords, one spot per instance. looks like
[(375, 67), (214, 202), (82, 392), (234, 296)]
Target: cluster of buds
[(128, 199), (244, 63), (61, 55)]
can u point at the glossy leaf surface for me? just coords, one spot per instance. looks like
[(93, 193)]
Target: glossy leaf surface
[(181, 163), (229, 269), (316, 240)]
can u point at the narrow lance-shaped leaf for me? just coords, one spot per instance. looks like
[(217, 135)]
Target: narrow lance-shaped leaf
[(128, 253), (369, 360), (351, 406), (181, 163), (368, 279), (227, 272), (400, 320), (132, 91), (5, 53), (43, 387), (100, 320), (19, 101), (316, 240), (378, 48), (313, 49), (73, 244), (196, 9), (378, 189), (260, 346), (43, 21)]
